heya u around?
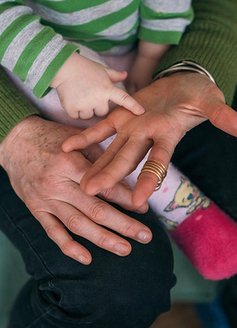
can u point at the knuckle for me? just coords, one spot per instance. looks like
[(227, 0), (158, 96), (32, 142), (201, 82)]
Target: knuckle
[(128, 229), (166, 147), (124, 96), (130, 162), (102, 241), (218, 115), (50, 184), (71, 109), (74, 223), (109, 194), (66, 249), (95, 129), (33, 206), (98, 212), (52, 232)]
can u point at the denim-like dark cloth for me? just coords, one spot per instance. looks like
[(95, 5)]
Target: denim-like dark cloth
[(112, 292), (208, 157)]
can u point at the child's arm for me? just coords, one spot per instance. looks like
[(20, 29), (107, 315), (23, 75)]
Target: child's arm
[(32, 51), (85, 87), (147, 59), (40, 57), (162, 24)]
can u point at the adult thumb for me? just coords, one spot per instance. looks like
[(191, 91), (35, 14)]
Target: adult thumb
[(223, 117)]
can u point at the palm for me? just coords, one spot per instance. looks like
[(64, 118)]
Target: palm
[(174, 105)]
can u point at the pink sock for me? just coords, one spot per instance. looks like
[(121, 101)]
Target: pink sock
[(204, 233), (208, 237)]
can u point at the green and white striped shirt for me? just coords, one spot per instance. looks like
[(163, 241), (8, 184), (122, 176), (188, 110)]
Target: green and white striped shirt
[(36, 35)]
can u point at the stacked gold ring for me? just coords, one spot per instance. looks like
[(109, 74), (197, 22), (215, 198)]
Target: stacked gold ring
[(157, 168)]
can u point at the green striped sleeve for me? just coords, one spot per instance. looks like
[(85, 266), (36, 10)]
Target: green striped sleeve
[(13, 106), (210, 41), (31, 50), (164, 22)]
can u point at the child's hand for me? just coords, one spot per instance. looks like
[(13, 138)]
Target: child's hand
[(85, 87), (147, 59)]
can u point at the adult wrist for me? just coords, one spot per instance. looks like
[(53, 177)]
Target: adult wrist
[(184, 66), (14, 136)]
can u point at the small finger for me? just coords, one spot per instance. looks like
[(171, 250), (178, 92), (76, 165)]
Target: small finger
[(86, 114), (101, 109), (122, 98), (57, 232), (73, 113), (116, 76)]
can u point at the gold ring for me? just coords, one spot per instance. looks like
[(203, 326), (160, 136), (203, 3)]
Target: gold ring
[(157, 168)]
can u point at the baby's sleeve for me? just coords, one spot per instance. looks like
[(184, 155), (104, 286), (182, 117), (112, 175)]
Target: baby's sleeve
[(164, 21), (30, 50)]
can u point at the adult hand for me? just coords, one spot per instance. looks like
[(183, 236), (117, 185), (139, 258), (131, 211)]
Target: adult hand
[(47, 180), (174, 105)]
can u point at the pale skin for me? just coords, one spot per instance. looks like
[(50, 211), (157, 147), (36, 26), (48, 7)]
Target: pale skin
[(174, 105), (47, 180), (85, 88)]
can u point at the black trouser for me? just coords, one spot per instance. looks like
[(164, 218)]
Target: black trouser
[(208, 157), (112, 292)]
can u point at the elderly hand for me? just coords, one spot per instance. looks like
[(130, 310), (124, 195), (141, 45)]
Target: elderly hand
[(174, 105), (47, 180)]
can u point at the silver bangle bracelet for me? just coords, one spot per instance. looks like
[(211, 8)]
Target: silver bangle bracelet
[(184, 66)]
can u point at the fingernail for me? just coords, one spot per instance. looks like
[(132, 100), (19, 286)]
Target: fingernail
[(143, 208), (122, 249), (82, 259), (144, 236), (141, 110)]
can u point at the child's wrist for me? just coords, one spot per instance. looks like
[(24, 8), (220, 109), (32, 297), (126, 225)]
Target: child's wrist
[(152, 51), (65, 71)]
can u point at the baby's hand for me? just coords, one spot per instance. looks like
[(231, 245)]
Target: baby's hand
[(85, 87)]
